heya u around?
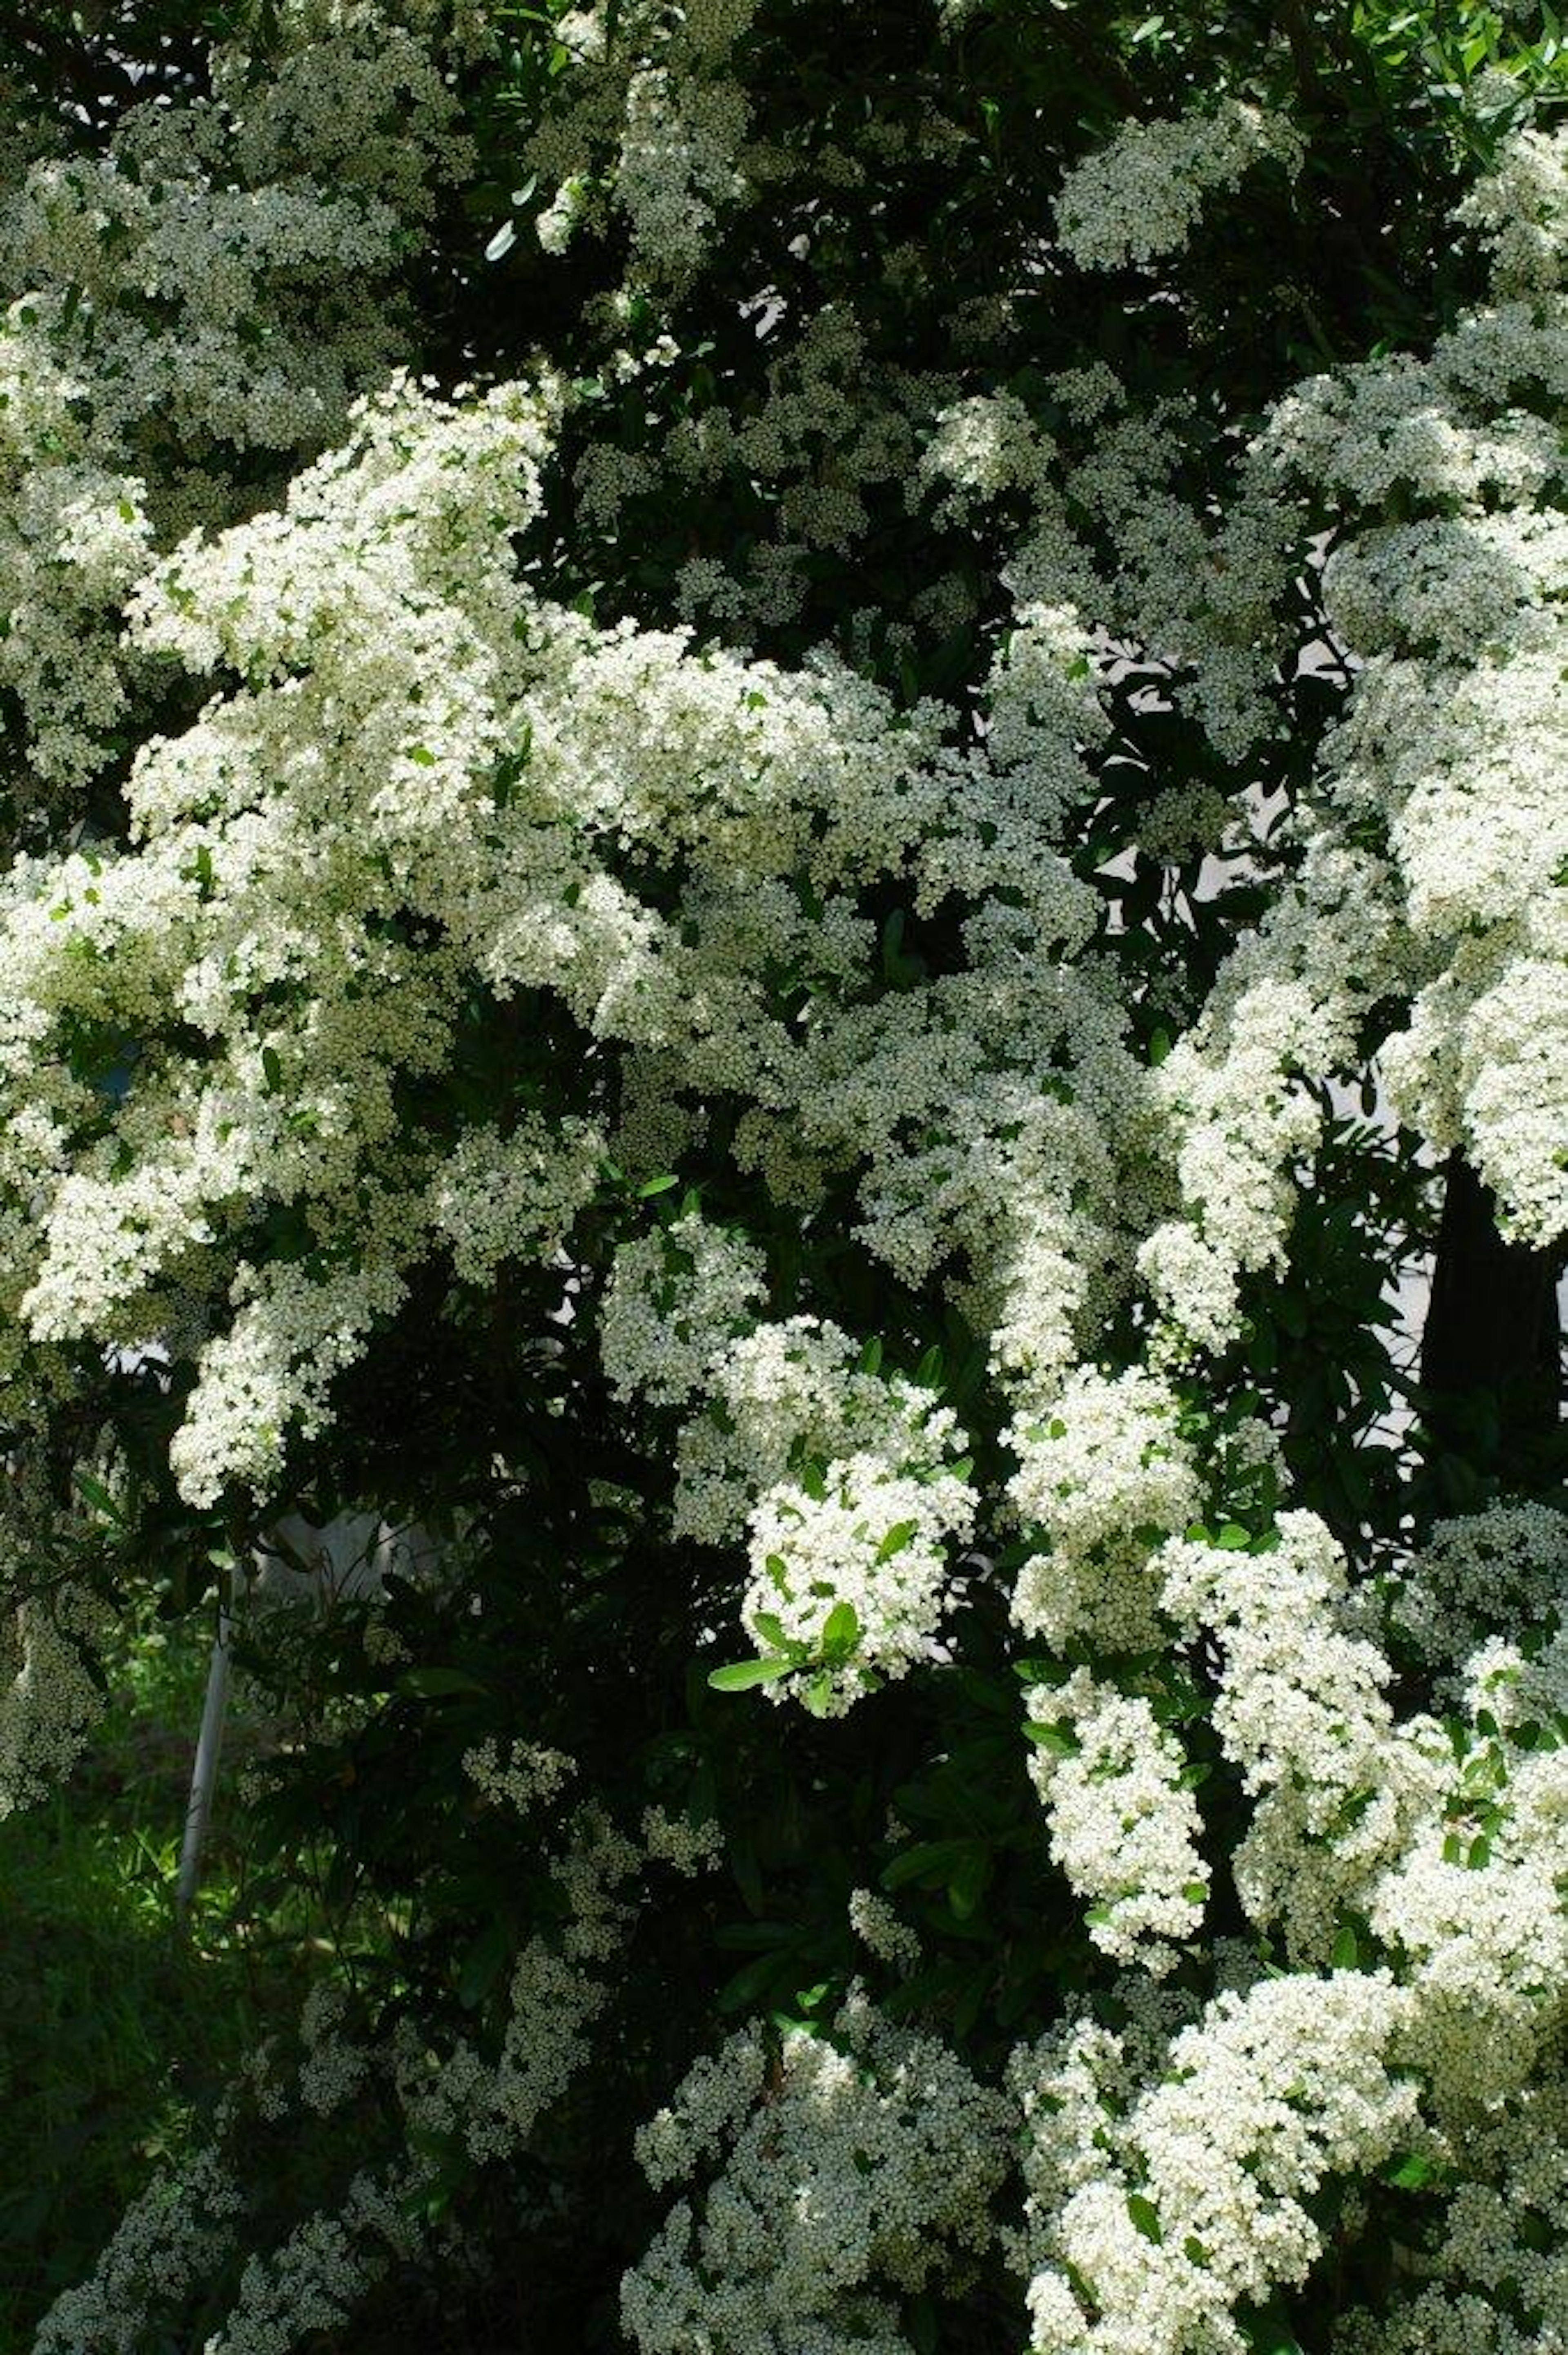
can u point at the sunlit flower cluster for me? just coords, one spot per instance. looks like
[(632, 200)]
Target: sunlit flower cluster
[(1140, 196)]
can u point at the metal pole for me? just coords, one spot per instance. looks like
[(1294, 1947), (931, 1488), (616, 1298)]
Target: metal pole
[(204, 1774)]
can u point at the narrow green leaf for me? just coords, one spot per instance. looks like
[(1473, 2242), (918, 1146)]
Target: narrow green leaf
[(438, 1683), (897, 1539), (741, 1675), (1052, 1735), (1145, 2216), (818, 1696), (98, 1497)]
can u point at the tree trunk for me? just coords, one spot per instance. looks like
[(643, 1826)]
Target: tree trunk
[(1491, 1351)]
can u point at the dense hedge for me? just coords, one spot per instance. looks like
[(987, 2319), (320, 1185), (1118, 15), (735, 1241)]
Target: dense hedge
[(787, 858)]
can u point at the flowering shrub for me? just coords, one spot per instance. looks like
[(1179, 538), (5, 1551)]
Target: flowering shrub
[(786, 846)]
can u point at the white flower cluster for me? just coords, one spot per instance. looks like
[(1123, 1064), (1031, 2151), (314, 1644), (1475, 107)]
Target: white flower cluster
[(74, 539), (1500, 1573), (1302, 1712), (557, 1991), (842, 930), (840, 1478), (676, 164), (49, 1701), (1445, 1843), (1430, 869), (173, 2240), (1101, 523), (1520, 209), (675, 1301), (220, 282), (850, 1567), (1139, 198), (1285, 1008), (169, 2239), (313, 2280), (687, 1848), (881, 1932), (241, 894), (1124, 1823), (334, 2066), (1152, 2217), (525, 1775), (1474, 1907), (268, 1376), (499, 771), (649, 125), (1449, 762), (853, 2166), (1449, 1841), (1498, 2250), (1102, 1479), (843, 1482), (514, 1196)]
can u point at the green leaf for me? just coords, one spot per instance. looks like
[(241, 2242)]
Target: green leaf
[(483, 1963), (819, 1694), (966, 1884), (1145, 2216), (1268, 2332), (438, 1683), (1346, 1951), (1052, 1735), (897, 1539), (752, 1979), (741, 1675), (841, 1632), (98, 1497), (656, 1185), (1410, 2171), (930, 1863), (272, 1069)]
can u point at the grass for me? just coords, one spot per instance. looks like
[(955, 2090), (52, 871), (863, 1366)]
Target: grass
[(115, 2032)]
